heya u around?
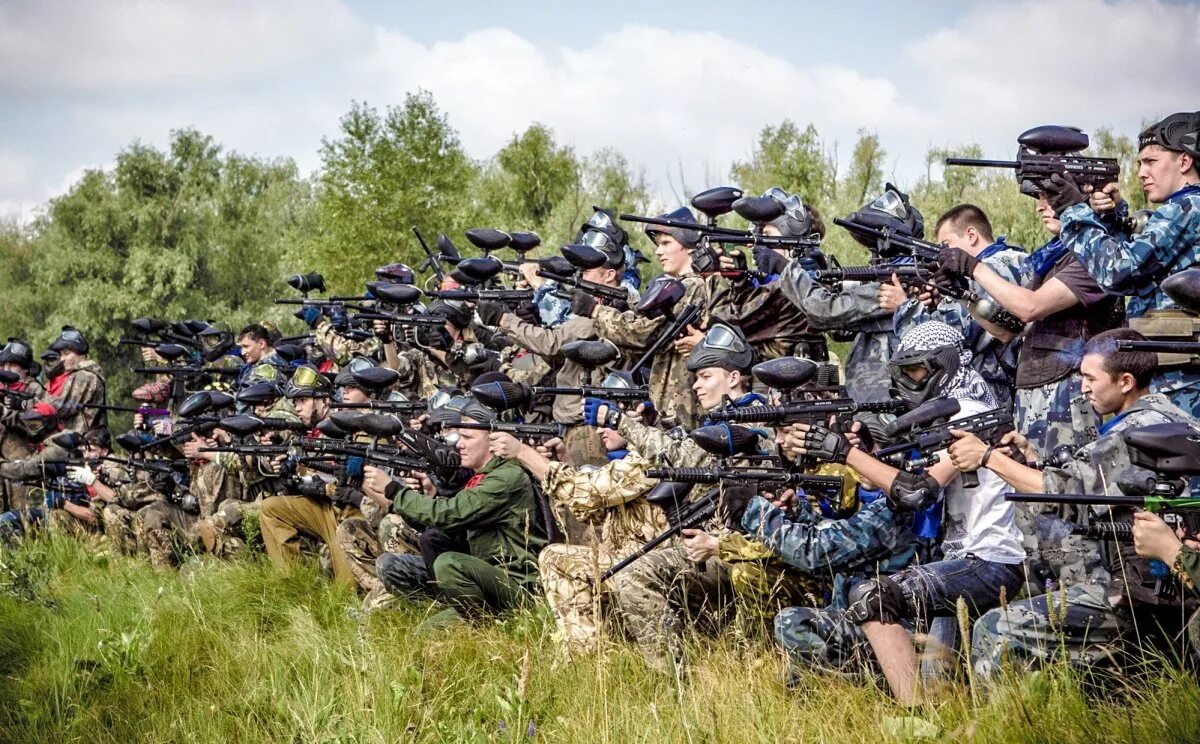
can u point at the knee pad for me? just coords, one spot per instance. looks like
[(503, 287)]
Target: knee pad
[(877, 599)]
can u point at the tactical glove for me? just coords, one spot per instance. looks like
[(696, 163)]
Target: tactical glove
[(528, 313), (955, 264), (490, 313), (310, 314), (582, 304), (339, 319), (768, 261), (1062, 192), (591, 411), (825, 445)]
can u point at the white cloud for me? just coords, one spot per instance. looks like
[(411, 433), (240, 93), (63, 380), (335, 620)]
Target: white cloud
[(107, 45), (16, 172)]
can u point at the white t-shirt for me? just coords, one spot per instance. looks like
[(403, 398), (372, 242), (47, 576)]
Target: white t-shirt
[(978, 520)]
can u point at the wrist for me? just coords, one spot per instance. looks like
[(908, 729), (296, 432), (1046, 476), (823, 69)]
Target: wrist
[(987, 454)]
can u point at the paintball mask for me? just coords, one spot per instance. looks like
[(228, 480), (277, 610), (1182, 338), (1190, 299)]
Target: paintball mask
[(926, 363), (215, 341), (687, 237), (397, 272), (795, 222), (891, 211), (723, 346), (308, 382), (614, 252), (70, 340), (17, 352), (1178, 132)]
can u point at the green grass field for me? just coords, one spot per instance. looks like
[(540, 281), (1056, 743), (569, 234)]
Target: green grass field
[(94, 648)]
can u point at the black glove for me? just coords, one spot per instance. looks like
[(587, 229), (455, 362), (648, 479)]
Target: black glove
[(315, 488), (1062, 192), (826, 445), (490, 313), (768, 261), (955, 264), (68, 409), (528, 313), (582, 304)]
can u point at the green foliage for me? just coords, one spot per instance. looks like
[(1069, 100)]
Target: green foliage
[(789, 158), (112, 651), (382, 175)]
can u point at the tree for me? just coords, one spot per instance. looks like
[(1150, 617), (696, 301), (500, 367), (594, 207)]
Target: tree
[(865, 177), (786, 157), (383, 175)]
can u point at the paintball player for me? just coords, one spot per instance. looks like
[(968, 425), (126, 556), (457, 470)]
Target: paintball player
[(44, 469), (670, 386), (15, 398), (479, 548), (981, 545), (1168, 243), (1103, 596), (81, 381), (710, 564), (856, 310), (284, 519), (968, 229), (1063, 307), (774, 326)]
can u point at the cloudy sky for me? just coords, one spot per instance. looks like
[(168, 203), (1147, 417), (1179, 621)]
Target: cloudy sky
[(676, 86)]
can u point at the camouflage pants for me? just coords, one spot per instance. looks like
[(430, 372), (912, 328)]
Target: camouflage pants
[(568, 574), (363, 544), (63, 522), (120, 527), (167, 531), (1078, 623), (1044, 416), (657, 595), (222, 533)]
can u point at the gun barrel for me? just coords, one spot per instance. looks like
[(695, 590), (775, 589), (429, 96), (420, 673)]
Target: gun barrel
[(668, 334), (1161, 347), (1010, 164), (1075, 498)]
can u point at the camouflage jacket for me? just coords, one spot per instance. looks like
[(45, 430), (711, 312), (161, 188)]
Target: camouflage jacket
[(670, 382), (547, 343), (340, 349), (1169, 243), (993, 359), (772, 324), (84, 384), (874, 541), (1074, 559), (610, 498), (854, 309), (13, 443)]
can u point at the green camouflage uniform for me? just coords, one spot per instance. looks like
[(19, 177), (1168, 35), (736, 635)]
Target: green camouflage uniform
[(85, 384), (15, 446)]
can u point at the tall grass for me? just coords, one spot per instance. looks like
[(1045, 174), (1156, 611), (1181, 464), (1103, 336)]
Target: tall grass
[(104, 649)]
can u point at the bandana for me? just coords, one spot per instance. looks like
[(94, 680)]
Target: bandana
[(966, 383)]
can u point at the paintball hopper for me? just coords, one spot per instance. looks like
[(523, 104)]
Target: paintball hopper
[(725, 440), (479, 270), (716, 201), (590, 354), (758, 209), (661, 297), (523, 242), (8, 377), (219, 400), (195, 404), (375, 379), (291, 353), (68, 440), (170, 352), (328, 428), (149, 326), (670, 497), (395, 293), (556, 265), (376, 425), (447, 251), (1171, 449), (488, 239), (1135, 481), (926, 414), (1053, 139), (583, 257), (1184, 289), (502, 395), (785, 373), (131, 441), (259, 394), (305, 283), (242, 426)]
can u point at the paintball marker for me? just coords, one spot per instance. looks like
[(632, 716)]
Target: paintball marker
[(920, 449), (1046, 150), (579, 259), (1176, 331), (663, 300)]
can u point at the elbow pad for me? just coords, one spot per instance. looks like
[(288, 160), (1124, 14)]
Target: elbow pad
[(913, 492)]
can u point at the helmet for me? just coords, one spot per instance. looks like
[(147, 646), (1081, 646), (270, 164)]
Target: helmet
[(890, 211), (934, 346), (397, 272), (263, 372), (723, 346), (215, 341), (345, 376), (795, 222), (603, 221), (71, 339), (100, 437), (1179, 132), (17, 351), (687, 237), (614, 252), (308, 382), (455, 312)]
